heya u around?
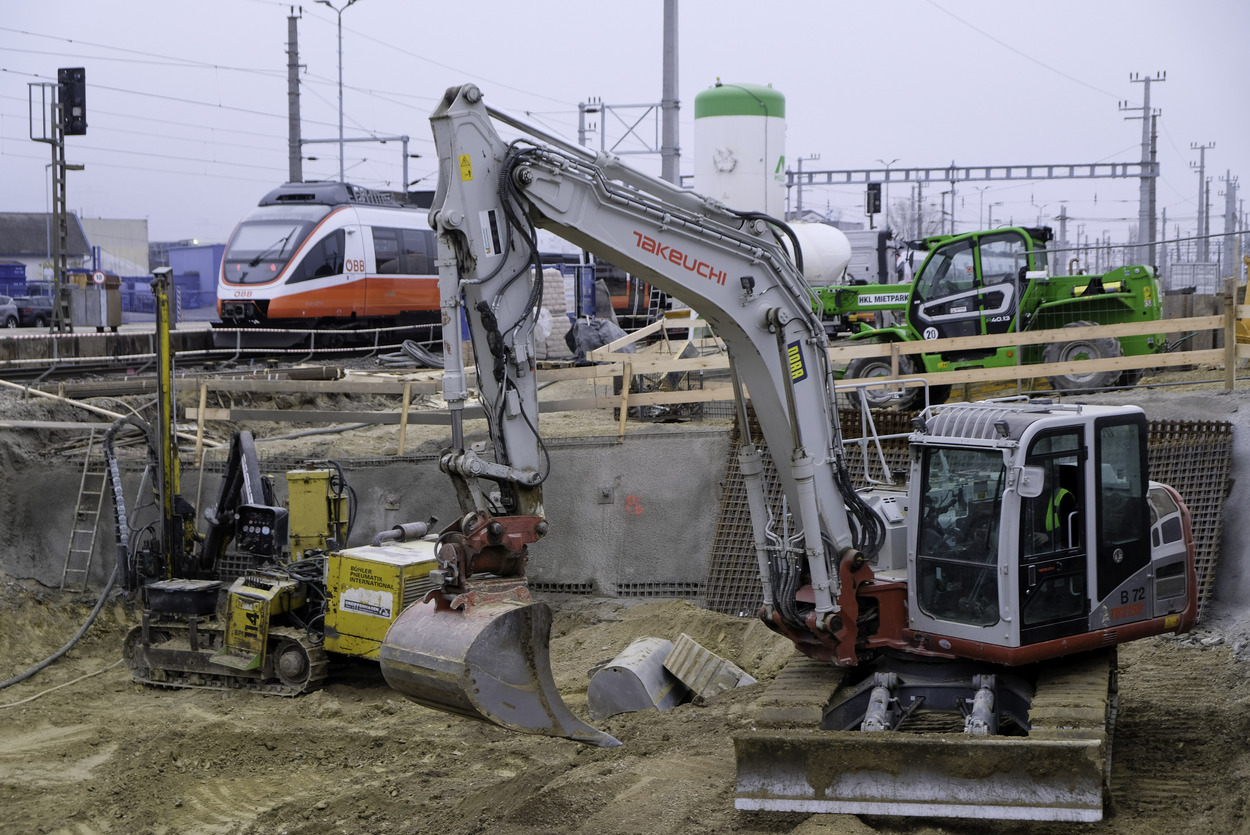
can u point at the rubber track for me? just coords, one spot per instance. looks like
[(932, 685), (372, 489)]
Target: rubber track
[(318, 660)]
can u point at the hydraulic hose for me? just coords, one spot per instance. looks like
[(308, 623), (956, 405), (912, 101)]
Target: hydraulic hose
[(121, 564), (99, 605)]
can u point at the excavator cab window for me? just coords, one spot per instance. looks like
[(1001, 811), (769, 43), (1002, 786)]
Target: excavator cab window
[(1123, 511), (1053, 563), (961, 504)]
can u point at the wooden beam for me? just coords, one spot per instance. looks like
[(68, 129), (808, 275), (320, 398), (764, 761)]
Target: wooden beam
[(625, 378), (845, 351), (1230, 333), (199, 423), (403, 418)]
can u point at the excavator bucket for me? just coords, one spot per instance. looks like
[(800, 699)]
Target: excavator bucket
[(485, 660)]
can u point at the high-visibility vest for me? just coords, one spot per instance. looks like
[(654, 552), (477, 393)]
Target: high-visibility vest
[(1053, 520)]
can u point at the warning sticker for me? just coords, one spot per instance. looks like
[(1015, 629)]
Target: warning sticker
[(378, 604), (466, 168)]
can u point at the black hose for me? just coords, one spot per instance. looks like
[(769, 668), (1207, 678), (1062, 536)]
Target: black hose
[(108, 588), (412, 354)]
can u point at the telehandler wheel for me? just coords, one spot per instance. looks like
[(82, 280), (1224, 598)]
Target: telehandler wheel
[(1080, 349), (886, 396)]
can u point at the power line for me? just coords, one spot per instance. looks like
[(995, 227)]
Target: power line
[(147, 55), (158, 96), (1022, 54)]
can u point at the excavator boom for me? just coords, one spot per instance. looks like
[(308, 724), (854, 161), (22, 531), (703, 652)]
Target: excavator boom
[(1030, 541), (733, 267)]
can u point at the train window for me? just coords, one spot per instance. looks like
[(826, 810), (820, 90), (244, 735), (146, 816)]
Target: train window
[(260, 249), (323, 260), (386, 250), (418, 252), (403, 251)]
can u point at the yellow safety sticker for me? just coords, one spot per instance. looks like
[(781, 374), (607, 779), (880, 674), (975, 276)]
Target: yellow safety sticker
[(466, 168)]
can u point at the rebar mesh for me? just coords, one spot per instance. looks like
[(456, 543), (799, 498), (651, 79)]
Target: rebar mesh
[(1194, 457)]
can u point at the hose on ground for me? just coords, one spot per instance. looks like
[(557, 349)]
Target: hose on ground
[(104, 596), (412, 354)]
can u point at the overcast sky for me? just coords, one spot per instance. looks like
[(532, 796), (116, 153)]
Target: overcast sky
[(187, 102)]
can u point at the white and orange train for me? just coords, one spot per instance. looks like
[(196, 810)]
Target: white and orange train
[(328, 253)]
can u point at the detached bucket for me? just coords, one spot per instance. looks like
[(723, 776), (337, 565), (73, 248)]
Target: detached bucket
[(488, 661)]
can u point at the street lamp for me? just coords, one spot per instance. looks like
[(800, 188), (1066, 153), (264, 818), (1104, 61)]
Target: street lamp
[(981, 210), (339, 12), (887, 188), (990, 223)]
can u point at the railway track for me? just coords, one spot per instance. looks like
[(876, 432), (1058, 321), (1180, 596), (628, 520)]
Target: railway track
[(31, 356)]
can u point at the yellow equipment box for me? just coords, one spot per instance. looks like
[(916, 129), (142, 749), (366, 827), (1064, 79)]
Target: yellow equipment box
[(318, 506), (366, 589)]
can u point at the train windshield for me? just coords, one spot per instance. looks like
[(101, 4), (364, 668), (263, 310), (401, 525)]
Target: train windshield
[(264, 242)]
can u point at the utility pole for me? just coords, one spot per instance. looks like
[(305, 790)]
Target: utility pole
[(1230, 224), (1204, 223), (1163, 252), (919, 210), (1146, 197), (593, 106), (798, 190), (887, 188), (981, 206), (62, 112), (1062, 217), (670, 152), (339, 11), (1154, 185), (295, 152)]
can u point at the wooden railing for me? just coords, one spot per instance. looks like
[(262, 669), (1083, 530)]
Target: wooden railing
[(614, 366)]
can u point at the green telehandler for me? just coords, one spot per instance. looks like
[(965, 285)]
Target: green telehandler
[(993, 282)]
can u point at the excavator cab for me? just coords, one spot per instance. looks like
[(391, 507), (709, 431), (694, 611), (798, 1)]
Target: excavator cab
[(1039, 529)]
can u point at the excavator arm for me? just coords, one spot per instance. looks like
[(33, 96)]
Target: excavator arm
[(734, 270)]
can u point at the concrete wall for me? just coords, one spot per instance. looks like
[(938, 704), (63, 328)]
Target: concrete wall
[(638, 512)]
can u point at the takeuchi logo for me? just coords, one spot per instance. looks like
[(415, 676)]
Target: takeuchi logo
[(675, 256)]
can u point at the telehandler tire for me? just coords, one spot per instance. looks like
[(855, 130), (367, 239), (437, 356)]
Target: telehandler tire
[(884, 397), (1079, 349)]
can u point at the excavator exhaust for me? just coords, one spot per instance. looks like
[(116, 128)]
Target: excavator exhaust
[(482, 652)]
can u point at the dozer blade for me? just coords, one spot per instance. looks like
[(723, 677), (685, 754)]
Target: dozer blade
[(934, 775), (488, 661)]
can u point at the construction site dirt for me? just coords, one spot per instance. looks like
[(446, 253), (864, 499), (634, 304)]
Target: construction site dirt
[(84, 749)]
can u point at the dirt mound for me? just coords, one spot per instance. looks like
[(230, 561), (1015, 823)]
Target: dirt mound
[(104, 754)]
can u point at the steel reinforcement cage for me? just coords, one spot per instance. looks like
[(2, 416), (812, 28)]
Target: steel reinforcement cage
[(1194, 457)]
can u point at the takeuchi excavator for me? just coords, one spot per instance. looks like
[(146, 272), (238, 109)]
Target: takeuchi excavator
[(1027, 545)]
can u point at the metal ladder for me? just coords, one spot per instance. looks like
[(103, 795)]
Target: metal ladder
[(86, 519), (656, 305)]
